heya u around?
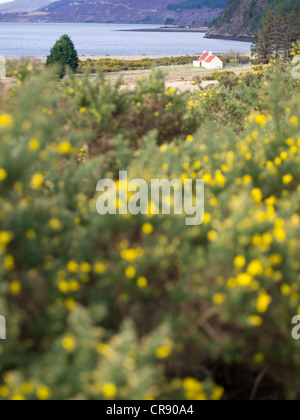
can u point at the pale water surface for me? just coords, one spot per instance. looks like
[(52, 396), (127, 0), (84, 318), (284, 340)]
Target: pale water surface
[(36, 39)]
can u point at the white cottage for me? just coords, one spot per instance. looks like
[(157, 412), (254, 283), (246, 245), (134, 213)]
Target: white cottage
[(208, 61)]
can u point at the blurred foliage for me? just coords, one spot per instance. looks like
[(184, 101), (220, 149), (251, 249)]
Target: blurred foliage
[(129, 307)]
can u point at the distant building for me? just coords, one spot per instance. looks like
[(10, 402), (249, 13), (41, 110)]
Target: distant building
[(208, 61)]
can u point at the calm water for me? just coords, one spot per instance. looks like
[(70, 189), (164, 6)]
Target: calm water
[(36, 39)]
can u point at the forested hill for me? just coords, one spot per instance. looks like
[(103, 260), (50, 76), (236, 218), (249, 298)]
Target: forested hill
[(178, 12), (198, 4), (241, 18)]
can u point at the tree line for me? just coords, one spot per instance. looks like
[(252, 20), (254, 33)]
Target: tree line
[(277, 33)]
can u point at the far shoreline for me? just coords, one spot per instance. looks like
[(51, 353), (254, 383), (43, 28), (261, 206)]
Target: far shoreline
[(230, 38), (170, 30), (191, 30)]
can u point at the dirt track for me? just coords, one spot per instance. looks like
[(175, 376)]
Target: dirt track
[(177, 77)]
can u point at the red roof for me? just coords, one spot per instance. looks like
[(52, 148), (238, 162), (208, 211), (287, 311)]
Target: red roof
[(210, 59), (204, 57)]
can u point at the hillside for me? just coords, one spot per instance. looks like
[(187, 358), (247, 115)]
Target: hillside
[(23, 6), (241, 18), (128, 11)]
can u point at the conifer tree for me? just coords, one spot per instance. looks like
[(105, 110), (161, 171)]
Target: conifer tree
[(294, 26), (63, 55), (280, 33), (264, 43)]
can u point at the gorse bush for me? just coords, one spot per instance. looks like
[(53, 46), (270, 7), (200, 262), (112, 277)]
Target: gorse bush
[(138, 307), (109, 65)]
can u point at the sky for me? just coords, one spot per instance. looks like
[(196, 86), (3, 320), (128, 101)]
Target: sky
[(5, 1)]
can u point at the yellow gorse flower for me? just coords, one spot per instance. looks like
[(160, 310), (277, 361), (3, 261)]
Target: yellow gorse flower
[(6, 120), (69, 344), (37, 181), (3, 174), (109, 390), (263, 302)]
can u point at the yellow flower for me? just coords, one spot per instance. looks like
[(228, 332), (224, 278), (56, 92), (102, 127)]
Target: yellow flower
[(199, 397), (55, 224), (207, 178), (74, 286), (18, 397), (142, 282), (240, 261), (294, 121), (287, 179), (255, 268), (206, 218), (3, 174), (69, 344), (31, 234), (218, 299), (99, 268), (4, 391), (244, 280), (279, 231), (212, 236), (130, 272), (286, 290), (278, 161), (163, 352), (70, 303), (191, 385), (129, 254), (263, 302), (72, 267), (247, 179), (43, 393), (267, 239), (213, 202), (65, 148), (255, 321), (34, 144), (5, 120), (63, 286), (257, 195), (190, 139), (27, 388), (259, 357), (217, 394), (15, 288), (109, 390), (147, 228), (163, 148), (5, 238), (9, 262), (37, 181), (261, 120), (276, 259), (86, 267)]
